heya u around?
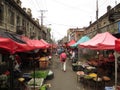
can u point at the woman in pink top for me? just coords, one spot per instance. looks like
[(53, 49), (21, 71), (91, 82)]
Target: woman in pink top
[(63, 58)]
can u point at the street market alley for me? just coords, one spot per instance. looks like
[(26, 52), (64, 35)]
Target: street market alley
[(63, 80)]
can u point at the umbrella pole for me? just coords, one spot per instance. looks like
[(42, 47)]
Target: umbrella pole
[(79, 54), (11, 72), (34, 69), (115, 70)]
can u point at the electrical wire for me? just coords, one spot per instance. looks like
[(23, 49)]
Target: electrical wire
[(34, 4), (45, 4), (61, 24), (72, 7), (104, 3), (37, 3)]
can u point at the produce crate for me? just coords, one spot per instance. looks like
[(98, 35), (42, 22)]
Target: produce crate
[(38, 83)]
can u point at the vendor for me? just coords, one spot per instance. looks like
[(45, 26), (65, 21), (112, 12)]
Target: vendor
[(111, 62), (111, 57), (101, 57)]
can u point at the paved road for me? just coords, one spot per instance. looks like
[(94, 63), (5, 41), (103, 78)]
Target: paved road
[(63, 80)]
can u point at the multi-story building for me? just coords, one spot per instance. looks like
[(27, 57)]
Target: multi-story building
[(108, 22), (15, 19), (75, 33)]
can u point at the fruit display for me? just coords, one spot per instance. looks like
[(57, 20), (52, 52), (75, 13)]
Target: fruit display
[(87, 77), (93, 75)]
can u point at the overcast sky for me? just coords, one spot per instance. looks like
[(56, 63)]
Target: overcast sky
[(60, 15)]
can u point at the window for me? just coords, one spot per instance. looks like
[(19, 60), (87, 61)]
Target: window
[(24, 23), (11, 17), (18, 21), (1, 14)]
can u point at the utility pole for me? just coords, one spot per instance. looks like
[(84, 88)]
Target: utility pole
[(41, 17), (115, 2), (97, 16), (42, 11)]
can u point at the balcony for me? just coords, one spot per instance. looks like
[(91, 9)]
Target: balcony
[(20, 30)]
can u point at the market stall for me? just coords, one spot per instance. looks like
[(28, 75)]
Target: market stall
[(11, 48), (81, 40), (102, 41), (39, 78)]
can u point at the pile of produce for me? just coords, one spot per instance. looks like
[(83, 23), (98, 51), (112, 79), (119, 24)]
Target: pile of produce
[(38, 82), (43, 87), (87, 77), (93, 75), (97, 79), (105, 78), (40, 74), (80, 73)]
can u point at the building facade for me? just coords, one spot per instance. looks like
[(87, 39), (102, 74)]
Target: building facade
[(108, 22), (19, 20), (75, 33)]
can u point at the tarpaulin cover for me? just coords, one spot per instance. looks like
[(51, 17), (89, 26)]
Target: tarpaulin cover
[(14, 37), (81, 40), (101, 41), (13, 42), (117, 45), (12, 46), (36, 44), (45, 43)]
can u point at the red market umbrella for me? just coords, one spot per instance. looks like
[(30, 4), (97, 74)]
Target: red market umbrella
[(117, 45), (23, 47), (71, 42), (12, 46), (7, 44), (108, 41), (104, 41), (36, 44), (101, 41), (45, 43)]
